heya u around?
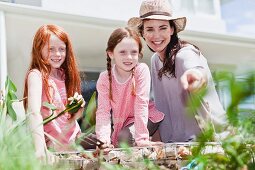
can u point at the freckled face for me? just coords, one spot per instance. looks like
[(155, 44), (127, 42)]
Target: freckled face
[(125, 54), (157, 34), (55, 54)]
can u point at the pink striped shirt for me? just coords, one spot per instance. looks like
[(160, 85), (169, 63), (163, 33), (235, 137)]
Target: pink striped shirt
[(125, 107), (59, 129)]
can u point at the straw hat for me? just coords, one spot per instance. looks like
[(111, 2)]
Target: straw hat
[(157, 9)]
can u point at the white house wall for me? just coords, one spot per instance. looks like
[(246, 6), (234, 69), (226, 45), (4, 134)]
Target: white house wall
[(89, 36), (3, 56)]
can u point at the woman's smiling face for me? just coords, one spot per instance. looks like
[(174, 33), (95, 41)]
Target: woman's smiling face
[(157, 34)]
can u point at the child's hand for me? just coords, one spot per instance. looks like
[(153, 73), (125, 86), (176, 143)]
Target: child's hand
[(74, 109), (76, 102), (106, 148), (75, 116)]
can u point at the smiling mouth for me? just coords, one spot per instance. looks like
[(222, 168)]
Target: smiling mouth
[(56, 60), (157, 42), (127, 63)]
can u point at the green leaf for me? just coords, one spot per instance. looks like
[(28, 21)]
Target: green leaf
[(10, 97), (11, 111), (90, 113), (11, 85), (50, 106)]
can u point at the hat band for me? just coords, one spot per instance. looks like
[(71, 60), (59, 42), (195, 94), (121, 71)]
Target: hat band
[(155, 13)]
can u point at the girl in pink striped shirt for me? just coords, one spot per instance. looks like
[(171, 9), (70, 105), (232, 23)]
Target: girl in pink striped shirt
[(123, 94)]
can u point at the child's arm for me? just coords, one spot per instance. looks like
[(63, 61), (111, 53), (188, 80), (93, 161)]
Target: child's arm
[(34, 108), (143, 80), (103, 116)]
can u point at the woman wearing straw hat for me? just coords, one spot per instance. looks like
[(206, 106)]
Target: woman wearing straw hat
[(178, 70)]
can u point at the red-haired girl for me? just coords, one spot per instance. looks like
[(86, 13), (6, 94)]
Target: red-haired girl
[(52, 77)]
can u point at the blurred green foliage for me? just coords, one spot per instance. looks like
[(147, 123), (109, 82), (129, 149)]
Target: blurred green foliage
[(17, 151), (239, 145)]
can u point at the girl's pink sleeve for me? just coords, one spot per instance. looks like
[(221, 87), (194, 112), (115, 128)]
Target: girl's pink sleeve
[(103, 116), (142, 81)]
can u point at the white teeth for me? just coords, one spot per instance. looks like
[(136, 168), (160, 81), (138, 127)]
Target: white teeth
[(56, 60), (157, 42), (127, 63)]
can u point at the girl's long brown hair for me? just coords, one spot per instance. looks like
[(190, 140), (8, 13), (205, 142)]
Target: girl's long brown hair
[(42, 38), (115, 38)]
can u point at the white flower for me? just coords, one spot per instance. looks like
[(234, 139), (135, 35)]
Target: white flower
[(83, 102), (75, 96), (79, 97), (71, 99), (76, 102), (76, 99)]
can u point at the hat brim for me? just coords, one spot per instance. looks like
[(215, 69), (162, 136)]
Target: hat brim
[(180, 22)]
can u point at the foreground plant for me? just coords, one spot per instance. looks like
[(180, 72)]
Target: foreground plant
[(16, 144), (239, 146), (75, 103), (88, 120), (7, 97)]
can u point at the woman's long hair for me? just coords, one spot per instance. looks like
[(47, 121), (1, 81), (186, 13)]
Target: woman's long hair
[(115, 38), (42, 38)]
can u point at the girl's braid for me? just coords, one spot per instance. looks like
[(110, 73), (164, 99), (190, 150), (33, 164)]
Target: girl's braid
[(109, 69), (133, 82)]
